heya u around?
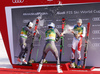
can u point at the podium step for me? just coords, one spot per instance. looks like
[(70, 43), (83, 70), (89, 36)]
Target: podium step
[(51, 66)]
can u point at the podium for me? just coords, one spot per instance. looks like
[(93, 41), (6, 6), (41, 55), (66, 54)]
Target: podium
[(52, 66)]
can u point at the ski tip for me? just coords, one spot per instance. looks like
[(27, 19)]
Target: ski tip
[(89, 23), (63, 19)]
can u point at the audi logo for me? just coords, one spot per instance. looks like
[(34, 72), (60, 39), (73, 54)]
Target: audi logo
[(96, 44), (17, 1), (59, 26), (96, 31), (69, 45), (26, 21), (96, 19), (49, 0)]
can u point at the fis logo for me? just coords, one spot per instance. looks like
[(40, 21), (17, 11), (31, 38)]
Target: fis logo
[(96, 44), (17, 1)]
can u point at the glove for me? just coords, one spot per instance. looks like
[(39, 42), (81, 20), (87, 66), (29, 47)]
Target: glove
[(24, 45), (57, 39), (61, 34)]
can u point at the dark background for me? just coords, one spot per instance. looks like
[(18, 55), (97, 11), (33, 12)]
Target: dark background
[(87, 12)]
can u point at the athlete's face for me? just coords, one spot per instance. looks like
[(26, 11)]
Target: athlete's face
[(79, 24)]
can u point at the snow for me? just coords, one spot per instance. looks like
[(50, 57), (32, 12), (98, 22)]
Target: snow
[(4, 61)]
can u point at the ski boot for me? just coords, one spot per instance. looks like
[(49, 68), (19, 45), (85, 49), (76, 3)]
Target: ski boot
[(44, 61), (39, 68), (24, 61), (19, 61), (31, 61), (58, 69), (73, 64), (79, 64)]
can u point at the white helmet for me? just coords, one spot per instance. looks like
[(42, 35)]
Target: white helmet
[(30, 24), (79, 21), (51, 25)]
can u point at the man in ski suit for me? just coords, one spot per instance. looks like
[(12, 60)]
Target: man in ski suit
[(79, 31), (23, 37), (50, 46)]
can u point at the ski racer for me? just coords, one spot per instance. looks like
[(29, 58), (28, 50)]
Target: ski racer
[(79, 31), (23, 37), (50, 46)]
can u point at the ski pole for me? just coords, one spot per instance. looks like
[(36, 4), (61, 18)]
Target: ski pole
[(38, 48)]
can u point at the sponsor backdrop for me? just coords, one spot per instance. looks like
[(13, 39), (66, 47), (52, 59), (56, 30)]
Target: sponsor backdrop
[(87, 12)]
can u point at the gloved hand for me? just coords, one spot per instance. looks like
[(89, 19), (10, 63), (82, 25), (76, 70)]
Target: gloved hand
[(61, 34), (24, 45), (57, 38), (34, 32)]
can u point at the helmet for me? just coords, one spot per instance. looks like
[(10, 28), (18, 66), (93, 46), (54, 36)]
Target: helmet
[(51, 25), (30, 24), (79, 21)]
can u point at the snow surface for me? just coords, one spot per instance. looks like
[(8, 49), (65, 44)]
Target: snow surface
[(4, 61)]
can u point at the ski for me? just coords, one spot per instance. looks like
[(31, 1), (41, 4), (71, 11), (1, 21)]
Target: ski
[(62, 39), (86, 45), (36, 25)]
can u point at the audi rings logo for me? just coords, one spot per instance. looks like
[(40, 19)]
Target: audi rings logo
[(96, 19), (58, 26), (69, 45), (96, 44), (17, 1), (96, 31)]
